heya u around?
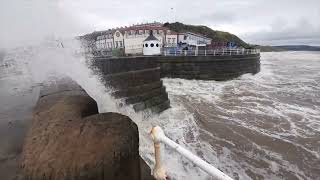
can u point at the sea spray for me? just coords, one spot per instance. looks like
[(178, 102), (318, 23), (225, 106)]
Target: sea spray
[(49, 61)]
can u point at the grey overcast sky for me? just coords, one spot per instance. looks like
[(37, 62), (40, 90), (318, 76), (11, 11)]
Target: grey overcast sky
[(271, 22)]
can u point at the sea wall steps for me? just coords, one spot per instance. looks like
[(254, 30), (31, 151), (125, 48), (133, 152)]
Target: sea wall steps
[(135, 80)]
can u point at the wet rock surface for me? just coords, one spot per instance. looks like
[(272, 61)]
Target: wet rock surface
[(68, 139)]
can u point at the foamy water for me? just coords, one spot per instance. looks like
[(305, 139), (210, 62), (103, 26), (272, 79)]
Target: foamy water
[(262, 126)]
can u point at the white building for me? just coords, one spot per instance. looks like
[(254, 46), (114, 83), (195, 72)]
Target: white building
[(131, 38), (193, 39), (118, 39), (105, 41), (151, 45), (134, 37), (171, 38)]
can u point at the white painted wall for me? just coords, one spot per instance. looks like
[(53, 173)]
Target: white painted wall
[(134, 43), (149, 50), (118, 39), (171, 40)]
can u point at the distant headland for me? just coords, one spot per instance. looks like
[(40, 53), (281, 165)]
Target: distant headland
[(287, 48)]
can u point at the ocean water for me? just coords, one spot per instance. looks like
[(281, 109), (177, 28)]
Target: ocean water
[(263, 126)]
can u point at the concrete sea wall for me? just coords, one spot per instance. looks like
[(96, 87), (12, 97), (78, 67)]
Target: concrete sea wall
[(136, 80), (69, 140), (208, 67)]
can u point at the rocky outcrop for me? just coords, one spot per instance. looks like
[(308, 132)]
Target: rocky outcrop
[(69, 140)]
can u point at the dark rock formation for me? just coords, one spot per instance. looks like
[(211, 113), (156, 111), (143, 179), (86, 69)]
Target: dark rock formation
[(68, 140)]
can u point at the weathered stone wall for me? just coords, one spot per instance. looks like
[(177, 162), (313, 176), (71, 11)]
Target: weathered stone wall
[(208, 67), (136, 80), (69, 140)]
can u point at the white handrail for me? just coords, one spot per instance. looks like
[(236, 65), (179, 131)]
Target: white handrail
[(158, 136)]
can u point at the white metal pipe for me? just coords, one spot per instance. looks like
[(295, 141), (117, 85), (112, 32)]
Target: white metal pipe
[(159, 136)]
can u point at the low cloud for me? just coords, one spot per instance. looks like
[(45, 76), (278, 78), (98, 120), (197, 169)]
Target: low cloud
[(26, 22), (304, 32), (256, 21)]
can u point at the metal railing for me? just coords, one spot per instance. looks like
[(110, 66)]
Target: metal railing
[(210, 52), (159, 171), (178, 52)]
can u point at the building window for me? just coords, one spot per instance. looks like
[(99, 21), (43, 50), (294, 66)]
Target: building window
[(157, 45), (152, 45), (142, 45), (120, 42), (173, 40), (117, 44), (169, 40), (146, 44)]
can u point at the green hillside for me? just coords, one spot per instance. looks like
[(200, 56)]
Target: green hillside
[(217, 36)]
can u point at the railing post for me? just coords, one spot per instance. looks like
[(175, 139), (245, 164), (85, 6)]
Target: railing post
[(222, 51), (158, 137), (214, 52), (205, 52)]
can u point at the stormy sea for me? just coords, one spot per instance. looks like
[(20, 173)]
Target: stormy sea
[(263, 126)]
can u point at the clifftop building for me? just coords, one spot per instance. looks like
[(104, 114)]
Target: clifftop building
[(130, 39)]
